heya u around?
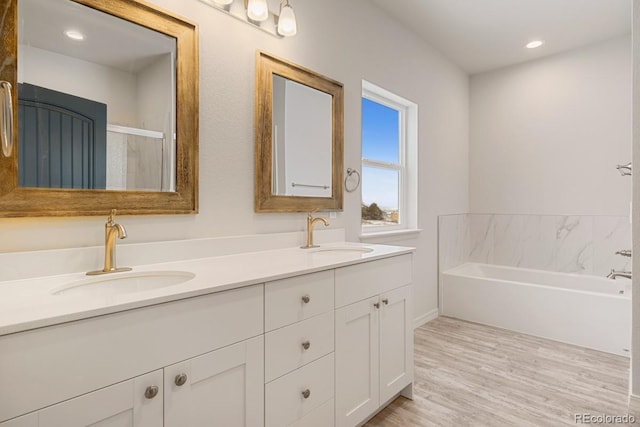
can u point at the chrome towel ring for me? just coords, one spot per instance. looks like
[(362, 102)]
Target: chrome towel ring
[(353, 188)]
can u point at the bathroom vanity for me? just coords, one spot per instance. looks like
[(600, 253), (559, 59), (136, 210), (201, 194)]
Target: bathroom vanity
[(277, 338)]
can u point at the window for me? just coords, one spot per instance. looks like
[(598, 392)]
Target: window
[(389, 161)]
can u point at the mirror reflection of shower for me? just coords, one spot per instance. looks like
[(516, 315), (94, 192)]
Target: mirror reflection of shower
[(625, 170), (138, 159)]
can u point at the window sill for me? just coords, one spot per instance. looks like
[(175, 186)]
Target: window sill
[(405, 233)]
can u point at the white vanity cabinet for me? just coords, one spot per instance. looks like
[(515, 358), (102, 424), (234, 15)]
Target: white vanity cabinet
[(328, 346), (97, 367), (299, 344), (222, 387), (374, 337)]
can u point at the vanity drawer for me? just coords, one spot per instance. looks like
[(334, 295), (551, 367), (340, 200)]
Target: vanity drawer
[(292, 300), (361, 281), (323, 416), (285, 402), (285, 347)]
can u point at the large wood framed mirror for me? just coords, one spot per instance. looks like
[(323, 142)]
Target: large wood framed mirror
[(105, 109), (299, 138)]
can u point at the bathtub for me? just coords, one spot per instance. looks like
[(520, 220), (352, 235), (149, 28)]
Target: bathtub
[(588, 311)]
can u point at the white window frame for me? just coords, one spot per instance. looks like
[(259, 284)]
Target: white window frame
[(407, 165)]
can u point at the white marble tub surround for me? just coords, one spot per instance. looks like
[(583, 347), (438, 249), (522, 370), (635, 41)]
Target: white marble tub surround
[(453, 240), (588, 311), (583, 244), (29, 303)]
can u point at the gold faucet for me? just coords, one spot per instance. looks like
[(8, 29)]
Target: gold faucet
[(110, 231), (310, 223)]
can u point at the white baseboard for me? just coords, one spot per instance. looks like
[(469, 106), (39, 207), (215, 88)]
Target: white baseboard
[(425, 318)]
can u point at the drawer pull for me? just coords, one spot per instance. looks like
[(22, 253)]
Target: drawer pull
[(306, 393), (306, 345), (151, 391), (181, 380), (385, 301), (376, 304), (306, 299)]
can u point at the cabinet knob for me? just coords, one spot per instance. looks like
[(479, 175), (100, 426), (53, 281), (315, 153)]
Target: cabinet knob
[(306, 299), (385, 301), (151, 391), (306, 393), (181, 380), (306, 345), (376, 304)]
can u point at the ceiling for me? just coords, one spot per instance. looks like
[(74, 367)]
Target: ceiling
[(109, 41), (481, 35)]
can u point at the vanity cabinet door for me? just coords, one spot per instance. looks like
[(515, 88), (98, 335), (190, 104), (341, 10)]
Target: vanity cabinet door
[(357, 362), (221, 388), (396, 342), (374, 354), (133, 403)]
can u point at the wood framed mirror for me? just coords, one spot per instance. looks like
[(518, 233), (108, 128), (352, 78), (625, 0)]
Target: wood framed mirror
[(152, 56), (299, 138)]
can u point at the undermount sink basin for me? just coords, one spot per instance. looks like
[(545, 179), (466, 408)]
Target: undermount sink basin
[(122, 283), (342, 249)]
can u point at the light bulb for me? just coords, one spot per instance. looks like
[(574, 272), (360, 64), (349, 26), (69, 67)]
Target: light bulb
[(287, 25), (258, 10), (534, 44), (74, 35), (223, 2)]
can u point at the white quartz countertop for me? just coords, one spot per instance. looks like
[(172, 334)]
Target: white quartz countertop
[(31, 303)]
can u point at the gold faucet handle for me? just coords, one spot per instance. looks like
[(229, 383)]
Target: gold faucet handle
[(112, 217)]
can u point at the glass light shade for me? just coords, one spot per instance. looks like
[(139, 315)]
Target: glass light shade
[(287, 25), (258, 10), (223, 2)]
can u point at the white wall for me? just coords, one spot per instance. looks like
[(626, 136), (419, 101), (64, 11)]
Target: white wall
[(347, 41), (154, 97), (85, 79), (155, 100), (278, 119), (635, 294), (308, 140), (546, 135)]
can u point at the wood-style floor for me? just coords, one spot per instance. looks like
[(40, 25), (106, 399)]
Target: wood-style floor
[(468, 374)]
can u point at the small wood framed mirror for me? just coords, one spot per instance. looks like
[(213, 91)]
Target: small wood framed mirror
[(299, 138)]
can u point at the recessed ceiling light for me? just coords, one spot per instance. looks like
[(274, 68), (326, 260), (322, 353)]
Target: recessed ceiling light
[(534, 44), (74, 35)]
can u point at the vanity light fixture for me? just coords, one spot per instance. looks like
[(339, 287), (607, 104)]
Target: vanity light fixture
[(258, 14), (534, 44), (74, 35), (287, 25)]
